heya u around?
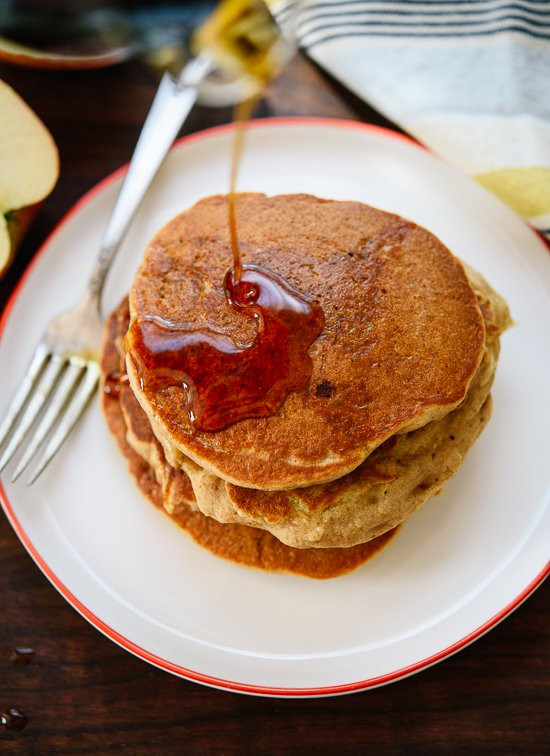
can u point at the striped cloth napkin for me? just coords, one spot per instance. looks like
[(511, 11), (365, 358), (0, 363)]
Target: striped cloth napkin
[(469, 79)]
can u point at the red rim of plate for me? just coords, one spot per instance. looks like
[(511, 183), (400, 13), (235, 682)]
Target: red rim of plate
[(30, 58), (143, 653)]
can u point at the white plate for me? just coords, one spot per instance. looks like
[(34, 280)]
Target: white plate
[(457, 567)]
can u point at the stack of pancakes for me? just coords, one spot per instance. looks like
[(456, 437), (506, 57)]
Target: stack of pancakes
[(399, 389)]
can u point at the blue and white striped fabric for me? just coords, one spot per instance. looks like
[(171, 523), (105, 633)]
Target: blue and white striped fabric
[(470, 79)]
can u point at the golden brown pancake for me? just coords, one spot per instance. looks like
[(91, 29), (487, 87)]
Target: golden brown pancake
[(392, 483), (176, 489), (403, 335), (396, 479), (238, 543)]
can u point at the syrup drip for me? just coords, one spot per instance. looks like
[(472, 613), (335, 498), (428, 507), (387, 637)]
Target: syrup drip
[(114, 383), (226, 382), (13, 719), (22, 655)]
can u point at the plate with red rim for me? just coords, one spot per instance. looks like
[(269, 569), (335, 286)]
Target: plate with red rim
[(456, 568)]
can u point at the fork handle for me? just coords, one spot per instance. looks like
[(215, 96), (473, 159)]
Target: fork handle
[(173, 101)]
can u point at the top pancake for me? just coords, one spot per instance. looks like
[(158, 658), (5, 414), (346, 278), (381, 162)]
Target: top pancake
[(403, 333)]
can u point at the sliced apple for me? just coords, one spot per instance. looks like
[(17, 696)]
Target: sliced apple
[(29, 167)]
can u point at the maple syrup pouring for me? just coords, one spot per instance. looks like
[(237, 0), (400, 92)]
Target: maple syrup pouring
[(243, 113), (226, 382)]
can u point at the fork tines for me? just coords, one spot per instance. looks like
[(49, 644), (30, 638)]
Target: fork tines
[(54, 391)]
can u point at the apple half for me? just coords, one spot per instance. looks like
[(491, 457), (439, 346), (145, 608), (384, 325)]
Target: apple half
[(29, 167)]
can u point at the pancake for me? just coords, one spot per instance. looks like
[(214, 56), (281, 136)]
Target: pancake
[(241, 544), (391, 484), (396, 479), (403, 337)]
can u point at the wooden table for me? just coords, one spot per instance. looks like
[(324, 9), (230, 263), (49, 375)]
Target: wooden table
[(83, 694)]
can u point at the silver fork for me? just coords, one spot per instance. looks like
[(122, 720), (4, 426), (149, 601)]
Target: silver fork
[(64, 370)]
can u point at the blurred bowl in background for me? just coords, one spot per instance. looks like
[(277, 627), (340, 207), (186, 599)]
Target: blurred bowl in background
[(61, 34), (64, 35)]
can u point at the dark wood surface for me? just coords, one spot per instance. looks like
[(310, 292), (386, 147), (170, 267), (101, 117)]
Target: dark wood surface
[(83, 694)]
